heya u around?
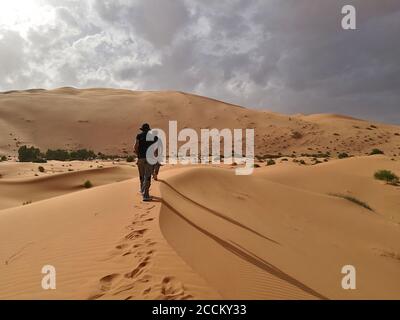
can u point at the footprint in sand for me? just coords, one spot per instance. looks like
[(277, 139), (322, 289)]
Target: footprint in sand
[(139, 223), (127, 253), (173, 289), (147, 291), (107, 281), (151, 243), (121, 246), (139, 269), (136, 234), (145, 279), (127, 287)]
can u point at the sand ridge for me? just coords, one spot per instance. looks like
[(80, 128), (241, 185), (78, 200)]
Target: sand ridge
[(70, 118)]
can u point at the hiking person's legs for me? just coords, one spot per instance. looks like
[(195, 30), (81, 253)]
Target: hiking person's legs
[(148, 170), (141, 167), (156, 170)]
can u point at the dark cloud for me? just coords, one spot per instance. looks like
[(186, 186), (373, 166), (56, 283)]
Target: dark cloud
[(289, 56)]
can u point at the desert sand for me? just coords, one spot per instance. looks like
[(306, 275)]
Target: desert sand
[(284, 232), (106, 120)]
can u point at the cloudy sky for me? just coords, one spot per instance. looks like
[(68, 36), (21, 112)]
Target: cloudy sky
[(288, 56)]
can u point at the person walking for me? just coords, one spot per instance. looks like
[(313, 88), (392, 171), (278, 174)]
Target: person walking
[(143, 142)]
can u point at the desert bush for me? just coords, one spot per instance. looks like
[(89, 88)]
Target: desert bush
[(82, 155), (343, 155), (271, 162), (387, 176), (316, 155), (130, 159), (376, 151), (88, 184), (40, 160), (256, 165), (271, 156), (58, 155), (354, 200), (3, 158), (31, 154), (41, 169)]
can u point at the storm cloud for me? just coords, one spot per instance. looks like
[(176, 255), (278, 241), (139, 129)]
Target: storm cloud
[(288, 56)]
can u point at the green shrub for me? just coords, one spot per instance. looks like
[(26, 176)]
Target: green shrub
[(88, 184), (343, 155), (386, 175), (3, 158), (41, 169), (130, 159), (256, 165), (31, 154), (58, 155), (354, 200), (376, 151), (82, 155), (271, 162), (41, 160)]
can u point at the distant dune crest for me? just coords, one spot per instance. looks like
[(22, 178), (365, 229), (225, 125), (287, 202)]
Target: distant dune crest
[(107, 120)]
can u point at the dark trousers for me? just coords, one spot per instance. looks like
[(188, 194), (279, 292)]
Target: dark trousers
[(145, 172), (156, 168)]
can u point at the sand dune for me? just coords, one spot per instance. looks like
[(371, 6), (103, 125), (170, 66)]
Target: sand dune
[(282, 236), (103, 242), (280, 239), (69, 118), (284, 232), (15, 192)]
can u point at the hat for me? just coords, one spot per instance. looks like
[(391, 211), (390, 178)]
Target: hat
[(145, 127)]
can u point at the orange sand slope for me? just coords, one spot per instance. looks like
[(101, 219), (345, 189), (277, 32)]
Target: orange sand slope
[(106, 120), (27, 189), (278, 234)]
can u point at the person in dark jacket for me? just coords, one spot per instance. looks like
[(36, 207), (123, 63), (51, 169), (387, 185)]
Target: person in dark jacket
[(143, 142)]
